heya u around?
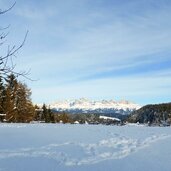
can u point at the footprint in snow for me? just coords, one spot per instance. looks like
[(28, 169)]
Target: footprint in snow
[(75, 153)]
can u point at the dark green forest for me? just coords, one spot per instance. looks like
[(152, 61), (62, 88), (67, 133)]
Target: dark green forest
[(152, 114)]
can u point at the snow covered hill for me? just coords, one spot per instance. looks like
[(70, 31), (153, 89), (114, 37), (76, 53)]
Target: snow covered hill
[(72, 147), (84, 105)]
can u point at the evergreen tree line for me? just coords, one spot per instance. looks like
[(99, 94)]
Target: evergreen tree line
[(16, 105), (152, 114), (15, 100), (45, 114)]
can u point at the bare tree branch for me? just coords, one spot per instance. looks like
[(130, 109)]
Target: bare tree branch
[(4, 11), (7, 66)]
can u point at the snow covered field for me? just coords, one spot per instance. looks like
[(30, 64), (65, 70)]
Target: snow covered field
[(58, 147)]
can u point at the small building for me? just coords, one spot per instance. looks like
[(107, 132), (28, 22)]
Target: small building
[(2, 117), (164, 123), (76, 122)]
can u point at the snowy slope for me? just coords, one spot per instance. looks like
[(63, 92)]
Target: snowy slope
[(109, 118), (87, 106), (47, 147)]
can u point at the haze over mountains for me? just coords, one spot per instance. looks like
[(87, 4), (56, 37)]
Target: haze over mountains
[(84, 105)]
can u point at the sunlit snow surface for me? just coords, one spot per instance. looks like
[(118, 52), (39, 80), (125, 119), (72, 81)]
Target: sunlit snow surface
[(53, 147)]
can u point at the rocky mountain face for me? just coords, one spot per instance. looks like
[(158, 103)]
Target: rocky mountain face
[(105, 107), (152, 114)]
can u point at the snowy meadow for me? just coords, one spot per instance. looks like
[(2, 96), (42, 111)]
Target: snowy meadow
[(66, 147)]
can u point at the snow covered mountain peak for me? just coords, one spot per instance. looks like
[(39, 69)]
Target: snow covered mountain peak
[(84, 105)]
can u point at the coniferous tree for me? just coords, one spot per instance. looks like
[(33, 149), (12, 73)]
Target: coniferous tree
[(17, 102), (44, 111), (46, 114), (10, 98), (2, 95), (65, 118), (25, 109), (37, 114), (51, 115)]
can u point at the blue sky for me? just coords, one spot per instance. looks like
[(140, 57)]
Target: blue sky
[(99, 49)]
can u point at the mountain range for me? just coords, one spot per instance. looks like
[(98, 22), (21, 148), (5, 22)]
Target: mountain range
[(106, 107)]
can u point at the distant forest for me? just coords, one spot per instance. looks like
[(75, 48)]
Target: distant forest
[(152, 114)]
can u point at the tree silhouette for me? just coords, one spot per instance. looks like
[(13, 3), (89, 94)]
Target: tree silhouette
[(6, 60)]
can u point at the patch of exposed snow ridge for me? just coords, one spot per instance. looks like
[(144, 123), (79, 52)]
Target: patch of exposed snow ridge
[(109, 118)]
